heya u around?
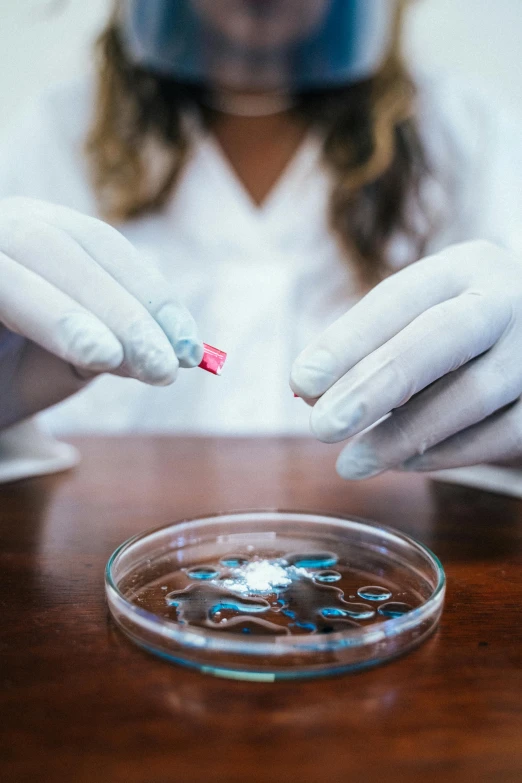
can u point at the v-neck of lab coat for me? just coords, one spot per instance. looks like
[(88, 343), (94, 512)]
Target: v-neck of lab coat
[(210, 197)]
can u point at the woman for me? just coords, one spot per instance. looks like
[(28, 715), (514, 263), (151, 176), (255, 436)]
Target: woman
[(268, 162)]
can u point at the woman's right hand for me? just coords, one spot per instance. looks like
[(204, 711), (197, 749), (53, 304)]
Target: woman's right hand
[(76, 301)]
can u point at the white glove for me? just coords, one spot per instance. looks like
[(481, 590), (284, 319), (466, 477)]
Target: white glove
[(439, 344), (77, 301)]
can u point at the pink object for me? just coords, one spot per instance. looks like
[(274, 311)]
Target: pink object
[(213, 359)]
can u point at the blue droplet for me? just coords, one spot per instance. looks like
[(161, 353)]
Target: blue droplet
[(394, 609), (327, 577), (353, 611), (333, 612), (243, 608), (313, 560), (233, 561), (202, 572), (374, 593), (305, 626), (289, 613)]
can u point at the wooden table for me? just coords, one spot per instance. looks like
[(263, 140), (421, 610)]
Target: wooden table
[(79, 703)]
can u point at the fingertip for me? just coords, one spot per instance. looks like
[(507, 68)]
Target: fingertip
[(160, 372), (319, 431), (189, 352), (181, 330), (107, 358), (307, 381), (313, 373), (358, 461), (332, 422)]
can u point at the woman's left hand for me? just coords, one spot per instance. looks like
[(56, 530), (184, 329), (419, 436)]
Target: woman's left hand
[(439, 345)]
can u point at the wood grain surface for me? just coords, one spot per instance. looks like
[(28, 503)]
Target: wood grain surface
[(78, 702)]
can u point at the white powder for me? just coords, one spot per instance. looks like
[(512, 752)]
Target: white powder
[(258, 576)]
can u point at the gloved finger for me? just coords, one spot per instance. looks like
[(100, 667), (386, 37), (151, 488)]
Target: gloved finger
[(454, 403), (440, 340), (56, 257), (497, 438), (34, 308), (378, 317), (120, 259)]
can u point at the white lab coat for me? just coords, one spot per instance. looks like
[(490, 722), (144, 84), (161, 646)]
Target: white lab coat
[(261, 282)]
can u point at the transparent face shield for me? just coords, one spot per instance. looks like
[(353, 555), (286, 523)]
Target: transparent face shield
[(259, 45)]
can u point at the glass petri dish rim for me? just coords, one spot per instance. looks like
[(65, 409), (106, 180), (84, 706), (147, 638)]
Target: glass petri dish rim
[(195, 638)]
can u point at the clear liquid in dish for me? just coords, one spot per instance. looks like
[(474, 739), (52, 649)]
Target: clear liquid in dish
[(271, 593)]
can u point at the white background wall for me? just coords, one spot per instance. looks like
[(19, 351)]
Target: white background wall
[(42, 41)]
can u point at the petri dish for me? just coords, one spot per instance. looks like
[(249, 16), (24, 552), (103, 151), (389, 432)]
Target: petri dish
[(269, 595)]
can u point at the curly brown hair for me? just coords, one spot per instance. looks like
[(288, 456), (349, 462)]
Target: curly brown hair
[(138, 144)]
